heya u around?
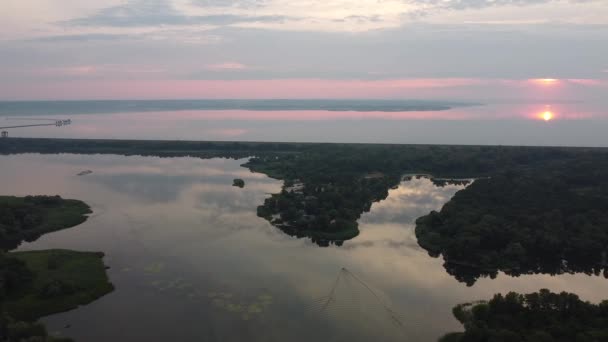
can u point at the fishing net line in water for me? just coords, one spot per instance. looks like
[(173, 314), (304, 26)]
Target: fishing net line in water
[(360, 311)]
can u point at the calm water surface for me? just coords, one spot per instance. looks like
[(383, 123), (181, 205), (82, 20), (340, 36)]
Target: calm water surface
[(191, 261), (573, 124)]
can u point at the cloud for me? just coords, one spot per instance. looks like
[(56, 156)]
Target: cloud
[(80, 37), (480, 4), (229, 19), (231, 3), (92, 71), (468, 4), (226, 66), (100, 23), (306, 39), (587, 82), (134, 13), (160, 12), (366, 15), (186, 35), (430, 7)]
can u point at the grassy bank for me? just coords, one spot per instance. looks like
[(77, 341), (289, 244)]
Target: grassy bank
[(27, 218), (39, 283), (62, 280)]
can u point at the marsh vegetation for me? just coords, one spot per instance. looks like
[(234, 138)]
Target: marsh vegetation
[(39, 283)]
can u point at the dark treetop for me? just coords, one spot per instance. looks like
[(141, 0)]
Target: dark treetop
[(536, 317), (547, 219), (26, 218), (238, 182)]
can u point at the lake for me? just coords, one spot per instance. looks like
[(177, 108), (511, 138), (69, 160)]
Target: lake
[(571, 124), (191, 260)]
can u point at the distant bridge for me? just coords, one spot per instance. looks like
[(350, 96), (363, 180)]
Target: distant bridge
[(51, 122)]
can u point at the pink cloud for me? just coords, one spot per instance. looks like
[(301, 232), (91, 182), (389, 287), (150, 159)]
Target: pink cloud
[(551, 82), (290, 88), (283, 88), (226, 66), (78, 71), (587, 82), (546, 82), (82, 70)]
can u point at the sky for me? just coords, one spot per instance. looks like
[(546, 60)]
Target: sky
[(476, 50)]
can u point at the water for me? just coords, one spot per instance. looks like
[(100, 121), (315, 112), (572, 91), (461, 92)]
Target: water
[(134, 106), (191, 260), (573, 124)]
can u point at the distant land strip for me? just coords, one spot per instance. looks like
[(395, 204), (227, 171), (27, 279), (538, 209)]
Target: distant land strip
[(236, 149), (18, 108)]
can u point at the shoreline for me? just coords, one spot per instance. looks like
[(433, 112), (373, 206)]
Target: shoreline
[(31, 142)]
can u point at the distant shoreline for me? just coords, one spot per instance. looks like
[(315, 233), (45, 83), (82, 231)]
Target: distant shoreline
[(15, 145), (35, 108)]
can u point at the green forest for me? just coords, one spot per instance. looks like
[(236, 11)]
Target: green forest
[(542, 316), (548, 219)]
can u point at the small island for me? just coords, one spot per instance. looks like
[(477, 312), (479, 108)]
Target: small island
[(35, 284), (323, 196), (540, 316), (27, 218), (238, 182)]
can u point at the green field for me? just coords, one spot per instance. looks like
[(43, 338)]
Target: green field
[(62, 281)]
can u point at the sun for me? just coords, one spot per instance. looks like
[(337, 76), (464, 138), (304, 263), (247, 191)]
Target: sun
[(547, 82), (547, 116)]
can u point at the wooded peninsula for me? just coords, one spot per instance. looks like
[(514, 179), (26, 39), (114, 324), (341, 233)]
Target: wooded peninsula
[(34, 284)]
